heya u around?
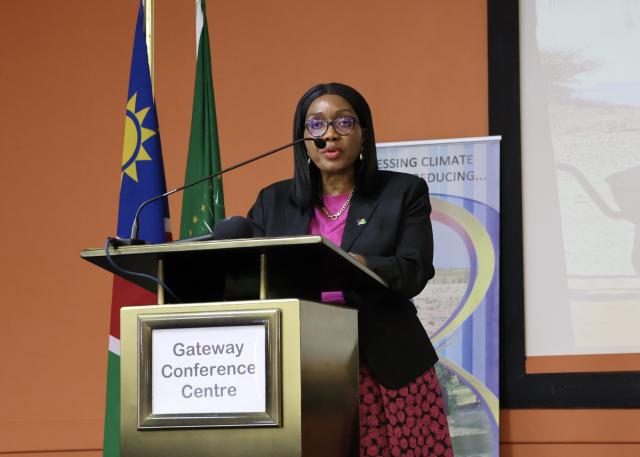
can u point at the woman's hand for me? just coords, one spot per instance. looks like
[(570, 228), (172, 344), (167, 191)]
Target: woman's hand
[(361, 260)]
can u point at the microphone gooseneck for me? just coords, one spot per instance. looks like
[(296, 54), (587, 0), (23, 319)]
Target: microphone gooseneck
[(318, 142)]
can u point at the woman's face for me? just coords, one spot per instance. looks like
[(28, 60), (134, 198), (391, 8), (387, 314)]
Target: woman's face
[(341, 151)]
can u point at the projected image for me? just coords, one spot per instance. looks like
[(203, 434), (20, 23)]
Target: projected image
[(589, 112)]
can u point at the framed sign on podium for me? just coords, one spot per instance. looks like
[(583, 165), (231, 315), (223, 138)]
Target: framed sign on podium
[(209, 369)]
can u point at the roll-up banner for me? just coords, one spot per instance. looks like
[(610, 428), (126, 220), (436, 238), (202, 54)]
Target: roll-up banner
[(459, 307)]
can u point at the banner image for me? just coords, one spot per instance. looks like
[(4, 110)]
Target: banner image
[(459, 307)]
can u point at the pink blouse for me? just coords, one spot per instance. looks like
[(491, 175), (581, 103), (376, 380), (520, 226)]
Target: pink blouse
[(331, 230)]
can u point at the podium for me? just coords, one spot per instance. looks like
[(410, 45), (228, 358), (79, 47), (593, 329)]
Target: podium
[(249, 362)]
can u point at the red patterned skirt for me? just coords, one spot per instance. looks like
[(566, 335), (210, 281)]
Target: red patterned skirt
[(405, 422)]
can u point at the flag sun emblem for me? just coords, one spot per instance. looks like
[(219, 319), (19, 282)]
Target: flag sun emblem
[(134, 137)]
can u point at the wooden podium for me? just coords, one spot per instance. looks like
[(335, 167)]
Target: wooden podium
[(249, 363)]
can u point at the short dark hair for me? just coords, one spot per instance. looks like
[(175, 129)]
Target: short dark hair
[(307, 182)]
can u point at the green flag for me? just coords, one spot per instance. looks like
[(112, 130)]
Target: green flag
[(203, 204)]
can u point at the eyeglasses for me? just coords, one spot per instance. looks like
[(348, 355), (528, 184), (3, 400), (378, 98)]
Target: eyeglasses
[(343, 125)]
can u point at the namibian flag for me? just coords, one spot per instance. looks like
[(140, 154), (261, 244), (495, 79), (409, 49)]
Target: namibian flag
[(142, 177)]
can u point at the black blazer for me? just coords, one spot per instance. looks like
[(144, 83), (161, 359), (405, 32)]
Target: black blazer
[(392, 230)]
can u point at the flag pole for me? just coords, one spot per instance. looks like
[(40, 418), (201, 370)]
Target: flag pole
[(199, 20), (149, 35)]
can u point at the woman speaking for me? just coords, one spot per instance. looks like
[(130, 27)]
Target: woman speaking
[(382, 219)]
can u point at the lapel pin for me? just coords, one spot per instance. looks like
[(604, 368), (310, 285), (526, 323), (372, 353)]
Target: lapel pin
[(362, 221)]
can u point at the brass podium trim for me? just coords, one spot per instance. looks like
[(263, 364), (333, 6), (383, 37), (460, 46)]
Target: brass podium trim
[(163, 248), (263, 277), (160, 289), (270, 417)]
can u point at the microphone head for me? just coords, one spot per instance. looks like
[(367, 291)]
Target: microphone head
[(231, 228), (320, 143)]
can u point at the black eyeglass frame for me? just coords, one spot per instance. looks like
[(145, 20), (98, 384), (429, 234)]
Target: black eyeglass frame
[(330, 123)]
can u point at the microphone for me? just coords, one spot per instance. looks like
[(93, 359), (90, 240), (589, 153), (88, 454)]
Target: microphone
[(229, 228), (318, 142)]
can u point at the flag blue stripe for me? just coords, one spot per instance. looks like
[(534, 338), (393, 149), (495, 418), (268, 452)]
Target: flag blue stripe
[(150, 173)]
